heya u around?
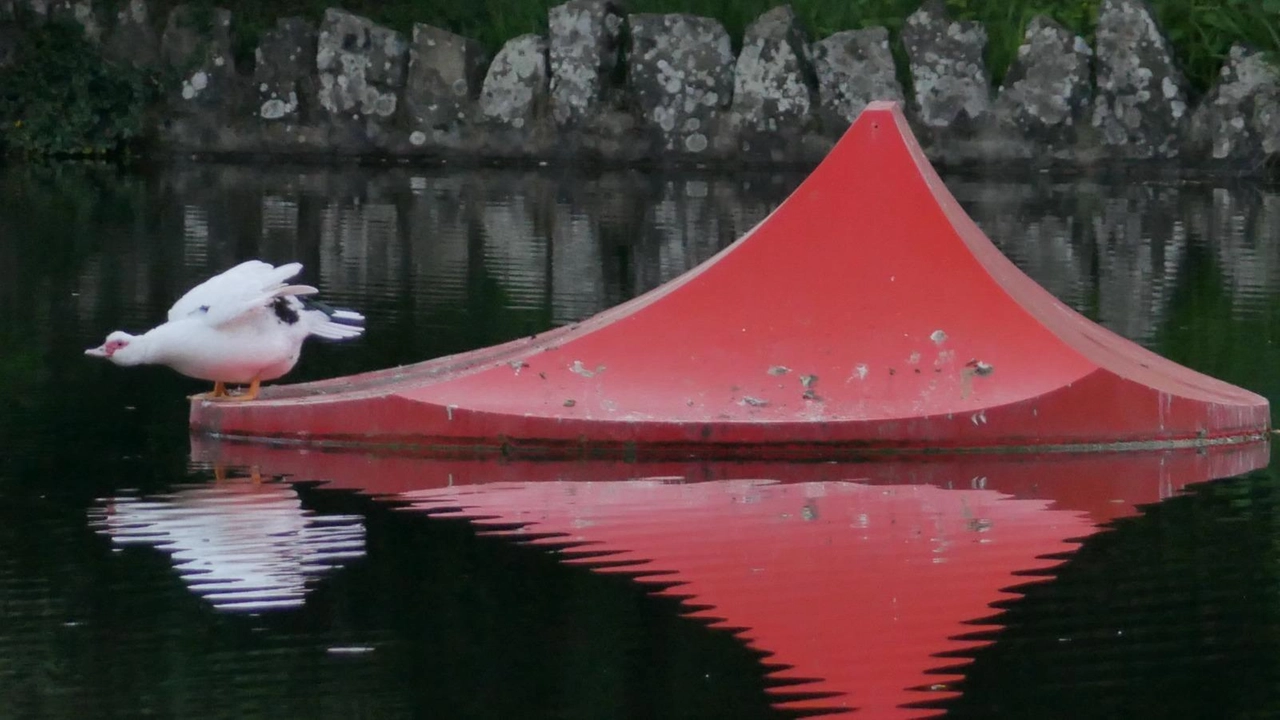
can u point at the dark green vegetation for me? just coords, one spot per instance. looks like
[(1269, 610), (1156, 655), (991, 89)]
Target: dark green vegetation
[(59, 98)]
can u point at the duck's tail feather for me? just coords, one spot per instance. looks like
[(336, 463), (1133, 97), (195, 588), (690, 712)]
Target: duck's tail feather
[(336, 331), (295, 290), (330, 323), (350, 317)]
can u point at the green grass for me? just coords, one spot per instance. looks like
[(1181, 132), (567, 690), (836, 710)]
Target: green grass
[(1202, 31)]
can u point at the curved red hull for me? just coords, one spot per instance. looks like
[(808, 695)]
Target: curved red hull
[(866, 313)]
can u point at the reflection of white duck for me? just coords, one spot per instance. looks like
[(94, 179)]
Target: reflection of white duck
[(241, 545), (244, 326)]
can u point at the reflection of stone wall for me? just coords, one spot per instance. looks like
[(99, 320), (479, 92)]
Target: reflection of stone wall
[(359, 245), (439, 250), (279, 225), (602, 83), (1243, 229), (516, 254), (692, 219), (439, 241), (1041, 241), (577, 287), (1140, 249), (1117, 251)]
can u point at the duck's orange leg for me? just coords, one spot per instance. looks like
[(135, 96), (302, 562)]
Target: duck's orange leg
[(250, 394), (219, 391)]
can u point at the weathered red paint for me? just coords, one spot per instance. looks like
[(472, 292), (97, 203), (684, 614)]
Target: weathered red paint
[(866, 312), (855, 578)]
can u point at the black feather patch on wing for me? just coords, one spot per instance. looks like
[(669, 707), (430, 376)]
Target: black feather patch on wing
[(283, 311)]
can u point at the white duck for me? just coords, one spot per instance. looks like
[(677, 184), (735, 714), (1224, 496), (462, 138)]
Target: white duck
[(242, 327)]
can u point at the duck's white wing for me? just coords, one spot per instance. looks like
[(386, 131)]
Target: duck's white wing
[(248, 287), (247, 275)]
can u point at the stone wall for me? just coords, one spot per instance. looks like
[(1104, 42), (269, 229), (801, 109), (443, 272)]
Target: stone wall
[(610, 86)]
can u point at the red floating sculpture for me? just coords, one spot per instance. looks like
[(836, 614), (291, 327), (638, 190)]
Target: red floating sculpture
[(867, 313)]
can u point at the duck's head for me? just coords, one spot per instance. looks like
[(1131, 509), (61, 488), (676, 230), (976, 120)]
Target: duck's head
[(119, 348)]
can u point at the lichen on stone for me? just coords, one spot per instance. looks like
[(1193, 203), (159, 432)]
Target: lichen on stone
[(1240, 116), (948, 71), (1048, 90), (854, 67), (774, 85), (444, 78), (515, 88), (1141, 103), (583, 49), (680, 73), (361, 66)]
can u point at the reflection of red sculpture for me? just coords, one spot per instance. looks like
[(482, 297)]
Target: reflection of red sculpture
[(866, 311), (850, 586), (854, 576)]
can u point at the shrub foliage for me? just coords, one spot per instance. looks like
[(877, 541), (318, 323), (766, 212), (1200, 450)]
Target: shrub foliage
[(60, 98)]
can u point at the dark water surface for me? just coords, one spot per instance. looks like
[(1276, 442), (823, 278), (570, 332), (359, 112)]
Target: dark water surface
[(133, 583)]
